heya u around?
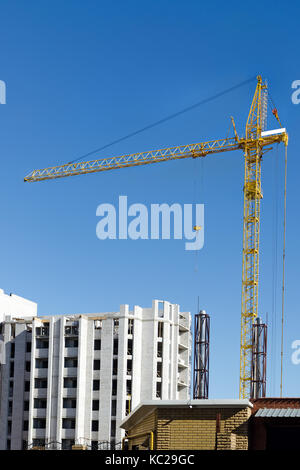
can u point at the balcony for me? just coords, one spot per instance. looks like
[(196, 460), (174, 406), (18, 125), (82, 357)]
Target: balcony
[(181, 383), (182, 364), (70, 372), (182, 379), (95, 415), (39, 413), (26, 375), (70, 392), (41, 373), (182, 346), (71, 352), (41, 353), (97, 354), (96, 374), (40, 393), (183, 323), (68, 433), (39, 433), (68, 412), (94, 436)]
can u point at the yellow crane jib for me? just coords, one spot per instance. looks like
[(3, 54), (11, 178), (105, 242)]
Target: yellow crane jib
[(135, 159), (255, 144)]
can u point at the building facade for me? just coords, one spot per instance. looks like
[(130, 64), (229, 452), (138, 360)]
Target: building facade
[(71, 379)]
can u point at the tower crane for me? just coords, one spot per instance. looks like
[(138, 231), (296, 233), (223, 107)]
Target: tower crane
[(255, 144)]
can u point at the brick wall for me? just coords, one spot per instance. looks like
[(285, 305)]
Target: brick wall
[(195, 428), (236, 423), (186, 428), (145, 426)]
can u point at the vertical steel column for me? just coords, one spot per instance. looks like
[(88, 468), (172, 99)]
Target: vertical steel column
[(201, 355), (259, 360)]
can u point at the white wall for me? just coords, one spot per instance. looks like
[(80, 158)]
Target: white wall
[(16, 306)]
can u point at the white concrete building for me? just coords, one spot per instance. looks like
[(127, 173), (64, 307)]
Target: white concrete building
[(16, 306), (73, 378)]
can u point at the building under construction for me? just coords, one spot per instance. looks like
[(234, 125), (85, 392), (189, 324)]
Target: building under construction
[(71, 379)]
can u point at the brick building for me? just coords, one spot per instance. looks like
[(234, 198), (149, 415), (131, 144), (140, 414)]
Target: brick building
[(192, 424)]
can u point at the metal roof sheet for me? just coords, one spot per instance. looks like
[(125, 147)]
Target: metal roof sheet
[(278, 413)]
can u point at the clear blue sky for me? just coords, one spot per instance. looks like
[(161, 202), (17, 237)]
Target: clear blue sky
[(81, 74)]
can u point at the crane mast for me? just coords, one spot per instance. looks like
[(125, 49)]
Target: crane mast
[(253, 152), (255, 144)]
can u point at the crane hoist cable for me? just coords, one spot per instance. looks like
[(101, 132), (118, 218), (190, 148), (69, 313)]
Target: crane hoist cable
[(195, 181), (167, 118), (283, 273), (275, 114), (274, 275)]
